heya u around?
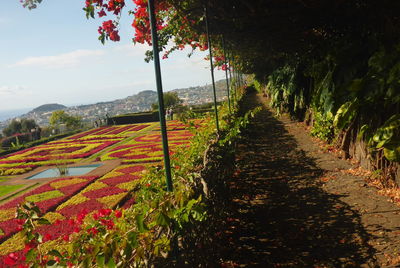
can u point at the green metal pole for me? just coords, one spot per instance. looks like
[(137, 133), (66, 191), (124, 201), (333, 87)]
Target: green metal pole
[(231, 77), (226, 73), (161, 111), (212, 68)]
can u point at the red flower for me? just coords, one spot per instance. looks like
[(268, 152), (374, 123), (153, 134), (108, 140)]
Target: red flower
[(29, 246), (47, 237), (110, 225), (111, 5), (81, 216), (20, 221), (104, 212), (11, 259), (66, 238), (57, 222), (118, 213), (92, 230), (102, 13), (71, 222), (114, 36), (19, 228), (108, 26), (77, 229), (96, 216)]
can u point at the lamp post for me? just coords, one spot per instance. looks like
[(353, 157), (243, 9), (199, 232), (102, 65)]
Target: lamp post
[(212, 68), (226, 73), (161, 111)]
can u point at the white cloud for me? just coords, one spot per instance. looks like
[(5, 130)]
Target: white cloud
[(133, 50), (13, 90), (69, 59)]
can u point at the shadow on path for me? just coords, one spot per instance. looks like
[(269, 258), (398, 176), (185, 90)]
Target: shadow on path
[(279, 216)]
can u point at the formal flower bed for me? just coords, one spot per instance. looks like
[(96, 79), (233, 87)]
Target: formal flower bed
[(67, 202), (106, 192), (47, 197), (111, 132), (64, 211), (148, 147), (53, 153), (179, 125)]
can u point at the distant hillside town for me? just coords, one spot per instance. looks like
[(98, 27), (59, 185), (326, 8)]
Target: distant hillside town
[(136, 103)]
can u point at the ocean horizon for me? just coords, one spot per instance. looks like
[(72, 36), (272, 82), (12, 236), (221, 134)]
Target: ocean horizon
[(8, 114)]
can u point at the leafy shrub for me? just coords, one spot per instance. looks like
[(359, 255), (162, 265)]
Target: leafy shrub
[(16, 139)]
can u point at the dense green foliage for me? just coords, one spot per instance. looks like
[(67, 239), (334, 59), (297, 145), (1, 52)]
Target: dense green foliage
[(60, 117), (19, 126), (170, 99)]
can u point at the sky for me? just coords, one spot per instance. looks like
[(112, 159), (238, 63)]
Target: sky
[(52, 55)]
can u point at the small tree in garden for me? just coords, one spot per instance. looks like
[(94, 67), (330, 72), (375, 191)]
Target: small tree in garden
[(61, 117), (171, 99), (19, 126)]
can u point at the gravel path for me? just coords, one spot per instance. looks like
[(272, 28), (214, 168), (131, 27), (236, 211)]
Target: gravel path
[(294, 205)]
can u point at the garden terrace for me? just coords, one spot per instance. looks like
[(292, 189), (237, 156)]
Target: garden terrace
[(125, 152)]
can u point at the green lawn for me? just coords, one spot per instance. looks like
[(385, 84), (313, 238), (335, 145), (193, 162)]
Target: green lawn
[(5, 189)]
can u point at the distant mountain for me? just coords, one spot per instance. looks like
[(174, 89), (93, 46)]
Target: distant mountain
[(48, 108), (132, 104)]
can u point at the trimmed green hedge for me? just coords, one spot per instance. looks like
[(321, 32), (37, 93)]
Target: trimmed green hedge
[(133, 118)]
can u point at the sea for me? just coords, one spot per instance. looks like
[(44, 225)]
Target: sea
[(7, 114)]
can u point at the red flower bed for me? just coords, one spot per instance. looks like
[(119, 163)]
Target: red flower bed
[(178, 135), (86, 133), (49, 203), (102, 193), (90, 205), (57, 229), (122, 131), (120, 179), (58, 151), (178, 125), (111, 186)]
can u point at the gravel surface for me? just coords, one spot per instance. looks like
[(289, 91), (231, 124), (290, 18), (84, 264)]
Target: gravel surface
[(292, 204)]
